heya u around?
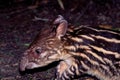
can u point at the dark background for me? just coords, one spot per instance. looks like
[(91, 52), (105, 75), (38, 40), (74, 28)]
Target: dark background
[(18, 28)]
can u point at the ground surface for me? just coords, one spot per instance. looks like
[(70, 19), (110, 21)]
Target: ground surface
[(18, 28)]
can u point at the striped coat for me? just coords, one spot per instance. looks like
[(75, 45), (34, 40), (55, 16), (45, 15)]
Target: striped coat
[(79, 51)]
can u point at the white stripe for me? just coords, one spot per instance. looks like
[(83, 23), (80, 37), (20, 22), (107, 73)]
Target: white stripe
[(76, 67), (87, 37), (70, 48), (90, 60), (88, 49), (84, 65), (117, 55), (95, 55), (84, 47), (76, 39), (106, 39), (102, 30)]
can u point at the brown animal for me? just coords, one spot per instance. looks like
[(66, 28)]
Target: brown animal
[(80, 50)]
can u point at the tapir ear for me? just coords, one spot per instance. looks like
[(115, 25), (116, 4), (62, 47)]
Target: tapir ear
[(62, 27), (58, 19)]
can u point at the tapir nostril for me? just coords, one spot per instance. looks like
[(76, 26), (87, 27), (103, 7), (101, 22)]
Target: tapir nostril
[(23, 63)]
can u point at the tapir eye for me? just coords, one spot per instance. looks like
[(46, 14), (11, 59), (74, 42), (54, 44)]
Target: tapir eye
[(38, 51)]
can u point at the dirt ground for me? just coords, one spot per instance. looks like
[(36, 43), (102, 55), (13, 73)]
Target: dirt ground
[(18, 28)]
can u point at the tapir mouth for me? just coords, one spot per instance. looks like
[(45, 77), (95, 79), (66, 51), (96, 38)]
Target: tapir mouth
[(25, 64)]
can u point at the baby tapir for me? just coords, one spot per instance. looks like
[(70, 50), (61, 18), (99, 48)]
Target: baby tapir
[(80, 50)]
